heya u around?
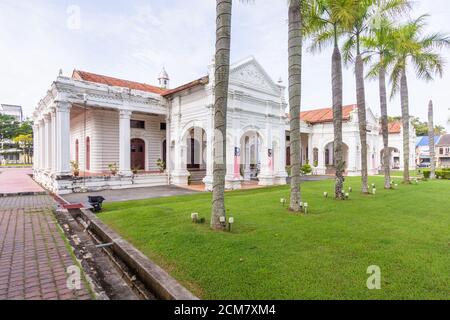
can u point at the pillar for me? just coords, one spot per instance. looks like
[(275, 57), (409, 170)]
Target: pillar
[(124, 143), (63, 141), (54, 139), (208, 180), (47, 142), (35, 147), (41, 145), (281, 174)]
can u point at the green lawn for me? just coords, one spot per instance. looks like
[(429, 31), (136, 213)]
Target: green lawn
[(412, 173), (273, 254)]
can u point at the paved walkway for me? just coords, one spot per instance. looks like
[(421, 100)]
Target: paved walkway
[(128, 194), (17, 180), (33, 255)]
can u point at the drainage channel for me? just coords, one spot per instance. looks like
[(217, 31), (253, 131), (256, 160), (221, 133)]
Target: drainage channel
[(120, 271), (108, 276), (127, 275)]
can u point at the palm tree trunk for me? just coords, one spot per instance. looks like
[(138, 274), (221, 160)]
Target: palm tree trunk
[(222, 72), (295, 73), (431, 140), (337, 122), (385, 129), (404, 95), (362, 119)]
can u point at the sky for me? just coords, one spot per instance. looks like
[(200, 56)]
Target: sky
[(135, 39)]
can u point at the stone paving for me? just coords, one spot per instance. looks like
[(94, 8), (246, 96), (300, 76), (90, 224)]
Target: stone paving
[(33, 254), (18, 180)]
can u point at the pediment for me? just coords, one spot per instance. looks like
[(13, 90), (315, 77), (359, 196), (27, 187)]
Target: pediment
[(250, 73)]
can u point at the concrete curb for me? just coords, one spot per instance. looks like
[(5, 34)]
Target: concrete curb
[(156, 279), (21, 194)]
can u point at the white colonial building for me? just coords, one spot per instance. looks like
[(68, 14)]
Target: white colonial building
[(101, 123)]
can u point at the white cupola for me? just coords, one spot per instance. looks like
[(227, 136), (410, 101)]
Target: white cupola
[(163, 79)]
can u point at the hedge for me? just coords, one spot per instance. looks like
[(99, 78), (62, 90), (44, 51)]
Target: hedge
[(440, 173)]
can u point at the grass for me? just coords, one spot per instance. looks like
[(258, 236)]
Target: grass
[(273, 254)]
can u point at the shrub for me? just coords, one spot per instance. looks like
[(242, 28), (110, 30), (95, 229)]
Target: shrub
[(443, 174), (426, 174), (306, 169)]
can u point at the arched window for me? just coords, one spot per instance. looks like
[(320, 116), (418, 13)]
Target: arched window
[(88, 154), (315, 156), (77, 151)]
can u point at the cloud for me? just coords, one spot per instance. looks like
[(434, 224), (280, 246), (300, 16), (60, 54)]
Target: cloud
[(135, 39)]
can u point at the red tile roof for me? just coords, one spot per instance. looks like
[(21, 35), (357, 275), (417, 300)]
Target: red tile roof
[(395, 127), (326, 115), (201, 81), (110, 81)]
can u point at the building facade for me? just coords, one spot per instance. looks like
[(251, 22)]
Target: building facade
[(10, 153), (124, 134), (443, 152)]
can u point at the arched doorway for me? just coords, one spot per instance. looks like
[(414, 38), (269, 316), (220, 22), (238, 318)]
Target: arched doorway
[(329, 157), (251, 155), (394, 158), (137, 154), (195, 139)]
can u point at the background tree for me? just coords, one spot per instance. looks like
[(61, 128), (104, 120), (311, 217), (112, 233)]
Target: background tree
[(421, 127), (222, 74), (368, 15), (25, 142), (8, 127), (412, 48), (295, 87), (325, 21), (431, 140)]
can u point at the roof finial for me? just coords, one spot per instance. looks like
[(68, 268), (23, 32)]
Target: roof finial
[(163, 79), (60, 72)]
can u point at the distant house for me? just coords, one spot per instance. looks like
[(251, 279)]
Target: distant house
[(12, 110), (443, 151), (9, 153), (423, 150)]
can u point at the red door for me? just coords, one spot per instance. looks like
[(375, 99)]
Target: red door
[(288, 156), (138, 154)]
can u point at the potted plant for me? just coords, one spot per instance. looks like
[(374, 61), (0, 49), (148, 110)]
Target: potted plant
[(113, 168), (161, 165), (75, 168), (135, 170)]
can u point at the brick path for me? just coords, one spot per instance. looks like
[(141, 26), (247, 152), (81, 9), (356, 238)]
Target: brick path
[(13, 180), (33, 255)]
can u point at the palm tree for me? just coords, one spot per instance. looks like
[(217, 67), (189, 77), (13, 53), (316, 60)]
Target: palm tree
[(412, 48), (378, 43), (222, 73), (431, 132), (368, 14), (295, 86), (325, 21)]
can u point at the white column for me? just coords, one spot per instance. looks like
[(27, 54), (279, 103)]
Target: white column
[(63, 140), (208, 180), (310, 151), (281, 171), (266, 177), (47, 142), (54, 140), (246, 153), (124, 143), (35, 146), (41, 145)]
